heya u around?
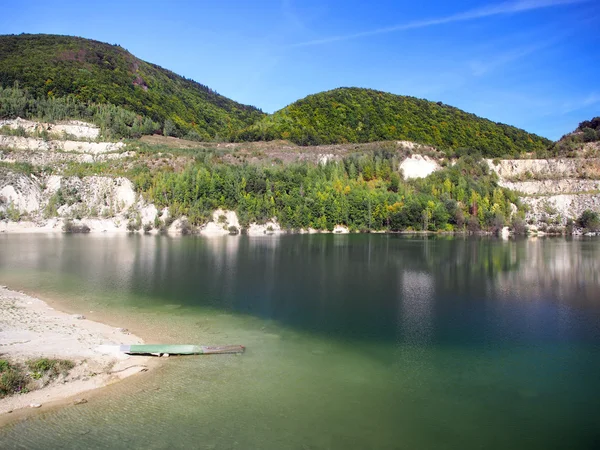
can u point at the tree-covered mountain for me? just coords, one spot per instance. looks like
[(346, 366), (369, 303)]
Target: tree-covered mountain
[(64, 73), (365, 115), (90, 71)]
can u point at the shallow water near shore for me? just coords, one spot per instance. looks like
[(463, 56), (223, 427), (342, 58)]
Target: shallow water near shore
[(360, 341)]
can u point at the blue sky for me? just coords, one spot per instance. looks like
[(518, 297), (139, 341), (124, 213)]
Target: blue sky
[(534, 64)]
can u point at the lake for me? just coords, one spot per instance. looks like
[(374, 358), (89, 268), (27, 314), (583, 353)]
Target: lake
[(353, 341)]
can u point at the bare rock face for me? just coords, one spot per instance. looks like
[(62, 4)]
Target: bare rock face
[(539, 169), (19, 191), (222, 223), (418, 166), (75, 128), (554, 189), (41, 145)]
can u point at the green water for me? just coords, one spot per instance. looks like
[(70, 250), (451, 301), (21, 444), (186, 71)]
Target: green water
[(354, 342)]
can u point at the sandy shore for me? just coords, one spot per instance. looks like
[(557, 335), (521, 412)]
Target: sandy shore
[(30, 328)]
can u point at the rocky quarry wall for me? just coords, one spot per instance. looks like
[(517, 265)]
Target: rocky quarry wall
[(555, 190)]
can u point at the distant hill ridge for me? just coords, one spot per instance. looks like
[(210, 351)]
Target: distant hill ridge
[(87, 70), (365, 115)]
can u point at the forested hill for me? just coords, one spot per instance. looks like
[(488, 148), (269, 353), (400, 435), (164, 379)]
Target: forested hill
[(72, 71), (365, 115), (87, 70)]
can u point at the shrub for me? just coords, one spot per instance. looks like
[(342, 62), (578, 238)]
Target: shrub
[(473, 225), (70, 227), (518, 226), (134, 225), (233, 230), (185, 227), (13, 213), (147, 227), (50, 367), (12, 381), (4, 365), (570, 226), (589, 220)]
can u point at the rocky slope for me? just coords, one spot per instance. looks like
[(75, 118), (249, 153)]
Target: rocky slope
[(555, 190), (45, 183), (50, 200)]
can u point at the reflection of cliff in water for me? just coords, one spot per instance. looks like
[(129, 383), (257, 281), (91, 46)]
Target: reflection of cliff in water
[(553, 269), (379, 287)]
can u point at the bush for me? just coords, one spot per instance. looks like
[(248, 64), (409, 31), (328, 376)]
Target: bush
[(473, 225), (233, 230), (70, 227), (589, 220), (185, 227), (134, 225), (570, 227), (50, 367), (12, 213), (147, 227), (518, 227), (12, 381)]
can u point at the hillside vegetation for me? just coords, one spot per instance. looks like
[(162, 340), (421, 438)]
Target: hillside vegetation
[(114, 121), (587, 132), (83, 70), (363, 191), (364, 115), (76, 72)]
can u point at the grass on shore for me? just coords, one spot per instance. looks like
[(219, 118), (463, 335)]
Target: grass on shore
[(18, 378)]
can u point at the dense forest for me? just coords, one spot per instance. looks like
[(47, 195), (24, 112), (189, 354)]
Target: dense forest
[(114, 121), (364, 192), (84, 70), (364, 115)]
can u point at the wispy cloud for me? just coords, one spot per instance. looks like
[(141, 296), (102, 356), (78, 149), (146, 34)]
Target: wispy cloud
[(505, 8), (481, 67), (591, 99)]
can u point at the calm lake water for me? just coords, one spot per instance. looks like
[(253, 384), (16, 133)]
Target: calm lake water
[(354, 342)]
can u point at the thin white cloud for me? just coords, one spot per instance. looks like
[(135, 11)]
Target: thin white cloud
[(481, 67), (591, 99), (514, 7)]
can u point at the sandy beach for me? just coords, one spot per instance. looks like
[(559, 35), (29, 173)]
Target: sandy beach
[(30, 328)]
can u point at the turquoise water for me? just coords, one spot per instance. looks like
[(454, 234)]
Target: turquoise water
[(354, 342)]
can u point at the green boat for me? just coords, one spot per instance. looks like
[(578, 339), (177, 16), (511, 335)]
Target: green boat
[(154, 349)]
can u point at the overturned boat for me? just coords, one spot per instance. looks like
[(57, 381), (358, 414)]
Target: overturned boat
[(176, 349)]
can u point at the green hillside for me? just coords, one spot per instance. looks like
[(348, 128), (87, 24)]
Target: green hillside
[(572, 143), (70, 73), (365, 115), (90, 71)]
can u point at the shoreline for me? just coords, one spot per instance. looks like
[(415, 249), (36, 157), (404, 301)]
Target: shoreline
[(54, 229), (32, 328)]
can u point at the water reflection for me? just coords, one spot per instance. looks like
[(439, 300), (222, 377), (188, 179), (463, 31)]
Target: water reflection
[(369, 286), (354, 341)]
